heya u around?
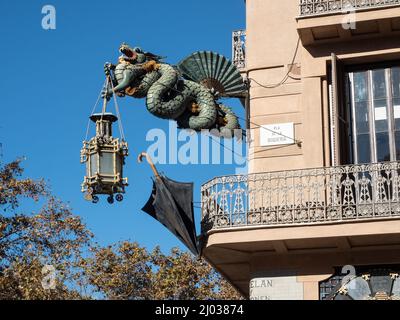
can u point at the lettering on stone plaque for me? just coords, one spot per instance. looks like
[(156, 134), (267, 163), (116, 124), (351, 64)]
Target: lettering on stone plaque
[(276, 288)]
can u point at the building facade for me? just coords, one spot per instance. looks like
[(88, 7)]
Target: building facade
[(318, 214)]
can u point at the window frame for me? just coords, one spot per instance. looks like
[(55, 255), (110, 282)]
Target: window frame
[(350, 94)]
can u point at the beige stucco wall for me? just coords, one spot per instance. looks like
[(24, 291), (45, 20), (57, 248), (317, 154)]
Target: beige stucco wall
[(271, 44), (309, 252), (272, 33)]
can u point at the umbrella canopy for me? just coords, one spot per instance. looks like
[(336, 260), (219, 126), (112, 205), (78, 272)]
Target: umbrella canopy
[(171, 203)]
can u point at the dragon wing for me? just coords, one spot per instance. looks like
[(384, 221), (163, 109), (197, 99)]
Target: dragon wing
[(214, 71)]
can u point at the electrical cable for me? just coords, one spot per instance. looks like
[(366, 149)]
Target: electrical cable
[(255, 124), (229, 149), (287, 75), (298, 142)]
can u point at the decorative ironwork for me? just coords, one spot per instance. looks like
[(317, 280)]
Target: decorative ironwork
[(320, 7), (321, 195), (238, 48), (329, 287), (380, 282)]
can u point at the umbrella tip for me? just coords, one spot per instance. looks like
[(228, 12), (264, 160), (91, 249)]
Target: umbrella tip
[(149, 161), (140, 156)]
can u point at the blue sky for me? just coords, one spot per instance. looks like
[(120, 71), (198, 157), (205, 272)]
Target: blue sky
[(51, 79)]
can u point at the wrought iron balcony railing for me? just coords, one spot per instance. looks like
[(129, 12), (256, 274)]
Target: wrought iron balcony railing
[(320, 7), (322, 195), (238, 48)]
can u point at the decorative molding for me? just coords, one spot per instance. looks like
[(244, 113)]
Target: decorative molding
[(321, 7)]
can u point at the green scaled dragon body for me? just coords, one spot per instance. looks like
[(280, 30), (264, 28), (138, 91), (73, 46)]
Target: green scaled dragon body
[(187, 93)]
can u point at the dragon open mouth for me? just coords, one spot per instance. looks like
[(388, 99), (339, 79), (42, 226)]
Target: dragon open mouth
[(127, 52)]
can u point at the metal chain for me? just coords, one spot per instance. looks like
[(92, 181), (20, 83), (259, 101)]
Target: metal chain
[(120, 127), (93, 110)]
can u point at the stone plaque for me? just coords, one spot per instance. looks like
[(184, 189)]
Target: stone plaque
[(277, 134), (276, 288)]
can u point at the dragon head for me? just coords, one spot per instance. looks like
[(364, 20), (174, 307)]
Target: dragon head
[(128, 53)]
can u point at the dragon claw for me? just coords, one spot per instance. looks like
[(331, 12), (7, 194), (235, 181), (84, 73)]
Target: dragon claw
[(222, 121), (106, 94), (195, 108), (108, 67)]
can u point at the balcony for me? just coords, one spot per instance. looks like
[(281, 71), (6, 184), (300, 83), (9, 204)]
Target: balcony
[(341, 194), (322, 7), (326, 21), (301, 219)]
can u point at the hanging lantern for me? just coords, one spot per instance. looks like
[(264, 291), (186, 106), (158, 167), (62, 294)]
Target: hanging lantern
[(104, 156)]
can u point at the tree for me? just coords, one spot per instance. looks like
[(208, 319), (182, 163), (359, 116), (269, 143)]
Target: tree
[(50, 254), (30, 241), (127, 271), (122, 272)]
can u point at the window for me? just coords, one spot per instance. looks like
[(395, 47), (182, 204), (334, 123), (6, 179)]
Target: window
[(374, 103)]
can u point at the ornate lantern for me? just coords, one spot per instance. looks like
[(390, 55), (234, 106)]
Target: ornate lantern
[(104, 156)]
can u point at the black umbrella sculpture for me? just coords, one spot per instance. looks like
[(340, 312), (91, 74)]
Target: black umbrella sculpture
[(171, 203)]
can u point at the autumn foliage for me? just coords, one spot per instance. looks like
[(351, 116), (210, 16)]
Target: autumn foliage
[(54, 236)]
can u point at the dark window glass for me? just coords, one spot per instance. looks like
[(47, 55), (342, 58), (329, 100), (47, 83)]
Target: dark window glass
[(396, 116), (362, 117), (397, 139), (379, 83), (381, 115), (382, 146), (363, 148), (375, 105), (396, 81), (396, 113), (360, 86)]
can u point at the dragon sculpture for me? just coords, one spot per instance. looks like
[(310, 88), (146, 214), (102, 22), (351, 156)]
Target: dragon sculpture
[(187, 93)]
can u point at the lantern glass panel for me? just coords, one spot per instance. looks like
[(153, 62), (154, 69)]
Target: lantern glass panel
[(107, 163), (93, 164), (118, 164)]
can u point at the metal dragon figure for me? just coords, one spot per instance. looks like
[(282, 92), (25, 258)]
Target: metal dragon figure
[(187, 93)]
